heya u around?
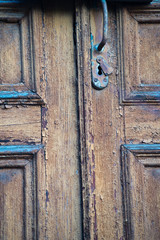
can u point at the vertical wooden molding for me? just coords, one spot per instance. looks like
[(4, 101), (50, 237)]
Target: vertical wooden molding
[(85, 120)]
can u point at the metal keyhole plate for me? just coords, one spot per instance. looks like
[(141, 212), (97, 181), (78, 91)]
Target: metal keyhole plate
[(99, 80)]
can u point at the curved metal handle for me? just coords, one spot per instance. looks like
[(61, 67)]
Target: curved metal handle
[(99, 47)]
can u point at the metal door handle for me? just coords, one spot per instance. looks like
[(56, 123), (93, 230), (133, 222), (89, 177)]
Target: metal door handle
[(99, 47), (102, 70)]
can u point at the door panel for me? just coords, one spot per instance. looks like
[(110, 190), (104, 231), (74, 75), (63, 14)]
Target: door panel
[(139, 43), (140, 170), (12, 219), (18, 191), (17, 60)]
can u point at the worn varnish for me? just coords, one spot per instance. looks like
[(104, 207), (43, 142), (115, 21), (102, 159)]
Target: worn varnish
[(85, 119), (126, 189), (40, 186), (11, 186), (20, 125), (77, 163), (56, 84), (108, 135), (140, 165)]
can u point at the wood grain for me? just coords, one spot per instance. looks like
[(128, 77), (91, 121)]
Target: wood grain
[(142, 124), (86, 121), (108, 135), (18, 217), (139, 54), (60, 216), (11, 204), (10, 53), (61, 139), (19, 125), (141, 200)]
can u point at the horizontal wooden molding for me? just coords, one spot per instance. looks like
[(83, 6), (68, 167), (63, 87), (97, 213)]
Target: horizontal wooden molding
[(20, 149)]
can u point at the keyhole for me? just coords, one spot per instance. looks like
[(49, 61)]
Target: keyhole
[(100, 72)]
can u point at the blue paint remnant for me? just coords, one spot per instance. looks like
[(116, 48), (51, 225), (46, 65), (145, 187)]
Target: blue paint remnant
[(23, 97), (77, 172), (18, 1), (149, 85), (11, 1), (47, 196), (15, 95), (156, 1), (152, 95), (20, 149), (91, 37), (92, 44), (142, 147)]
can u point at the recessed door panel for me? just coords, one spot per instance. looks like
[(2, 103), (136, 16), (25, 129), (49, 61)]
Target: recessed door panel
[(140, 55)]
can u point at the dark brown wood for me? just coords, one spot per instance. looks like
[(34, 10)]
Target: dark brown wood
[(86, 121)]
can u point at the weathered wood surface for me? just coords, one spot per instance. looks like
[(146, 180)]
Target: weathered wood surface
[(126, 203), (86, 121), (53, 175), (114, 132), (57, 85), (18, 191), (20, 125), (108, 135), (11, 186), (140, 168)]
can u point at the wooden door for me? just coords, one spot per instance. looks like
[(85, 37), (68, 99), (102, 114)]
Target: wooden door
[(120, 124), (39, 156), (77, 163)]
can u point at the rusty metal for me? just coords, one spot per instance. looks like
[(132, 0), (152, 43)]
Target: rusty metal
[(107, 70), (100, 69), (100, 72), (99, 47), (99, 82)]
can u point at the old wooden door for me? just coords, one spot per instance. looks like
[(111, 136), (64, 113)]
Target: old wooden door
[(121, 124), (77, 163)]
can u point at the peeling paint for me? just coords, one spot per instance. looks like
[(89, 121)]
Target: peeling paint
[(47, 196)]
